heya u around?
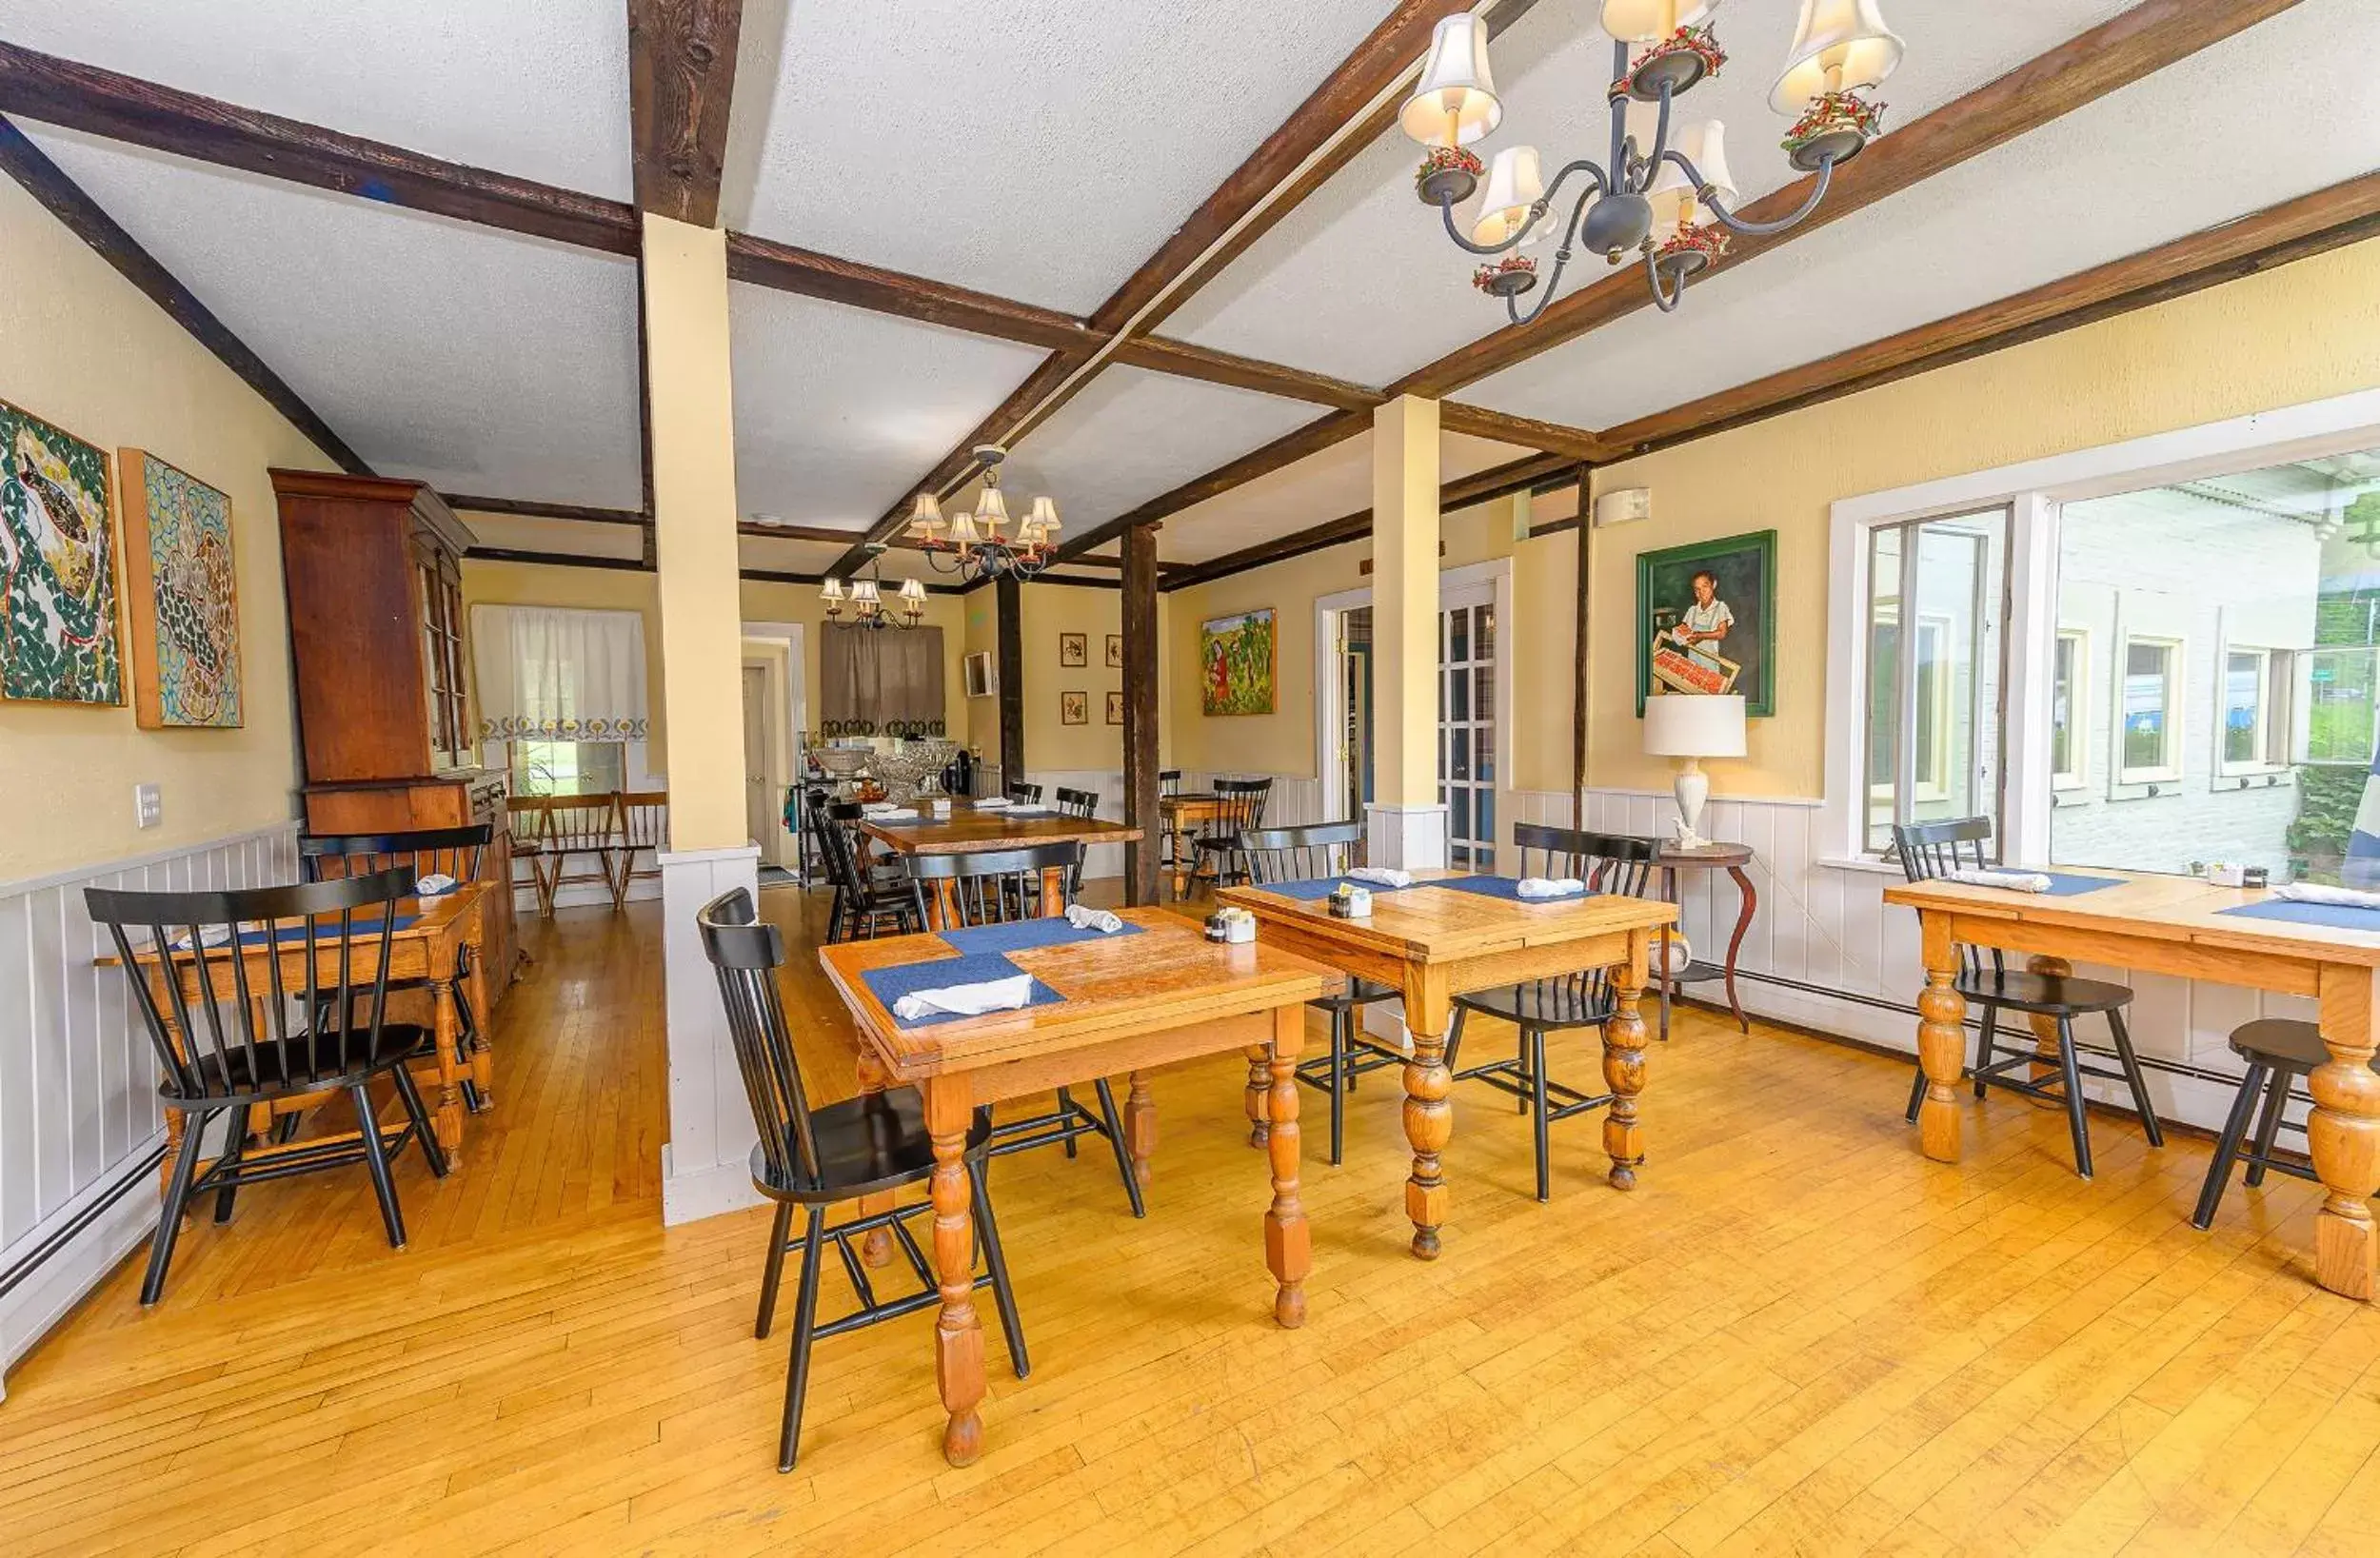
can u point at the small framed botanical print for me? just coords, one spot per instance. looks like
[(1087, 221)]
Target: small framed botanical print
[(1115, 651), (1074, 649), (1115, 708), (1074, 708)]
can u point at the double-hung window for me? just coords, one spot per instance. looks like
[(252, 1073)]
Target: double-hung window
[(2151, 714), (1936, 621), (2070, 711), (2258, 703)]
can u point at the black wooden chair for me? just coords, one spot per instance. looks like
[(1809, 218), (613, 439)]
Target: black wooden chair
[(2278, 1051), (1168, 784), (996, 887), (1607, 862), (1078, 803), (813, 1157), (865, 901), (1238, 807), (1169, 781), (227, 1045), (1023, 794), (1928, 850), (1328, 849)]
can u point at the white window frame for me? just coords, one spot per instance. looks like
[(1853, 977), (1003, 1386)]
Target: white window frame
[(2261, 738), (2176, 728), (2036, 490), (2077, 710)]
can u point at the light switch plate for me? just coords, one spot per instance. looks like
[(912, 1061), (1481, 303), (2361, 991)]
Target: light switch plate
[(147, 806)]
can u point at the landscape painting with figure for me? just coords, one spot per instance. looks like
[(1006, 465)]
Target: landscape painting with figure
[(183, 597), (1235, 662), (58, 635), (1706, 620)]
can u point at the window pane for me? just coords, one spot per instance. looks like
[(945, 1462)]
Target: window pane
[(1884, 667), (1934, 621), (1459, 687), (1486, 822), (1484, 762), (2145, 714), (1458, 636), (2062, 707), (2242, 692), (1458, 811), (1458, 744), (1486, 637), (1484, 684)]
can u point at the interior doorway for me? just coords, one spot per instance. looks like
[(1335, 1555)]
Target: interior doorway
[(1354, 697), (758, 816)]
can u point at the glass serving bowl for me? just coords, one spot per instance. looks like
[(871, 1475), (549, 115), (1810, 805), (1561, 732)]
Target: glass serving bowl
[(905, 767), (842, 762)]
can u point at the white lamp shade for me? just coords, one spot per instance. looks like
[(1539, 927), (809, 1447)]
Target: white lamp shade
[(1045, 515), (926, 517), (962, 530), (912, 589), (1690, 725), (831, 590), (1514, 184), (1839, 44), (1650, 21), (1705, 146), (1455, 102), (863, 591), (991, 510)]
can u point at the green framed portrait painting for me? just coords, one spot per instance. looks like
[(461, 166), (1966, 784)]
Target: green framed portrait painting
[(1706, 620), (59, 634), (1236, 668)]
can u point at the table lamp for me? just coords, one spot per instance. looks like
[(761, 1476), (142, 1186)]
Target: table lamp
[(1694, 726)]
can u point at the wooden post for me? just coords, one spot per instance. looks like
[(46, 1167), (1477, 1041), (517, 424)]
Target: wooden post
[(1009, 595), (1140, 713), (1578, 686)]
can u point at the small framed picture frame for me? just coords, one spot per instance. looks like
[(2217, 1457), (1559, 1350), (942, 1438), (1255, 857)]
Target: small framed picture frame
[(1074, 649), (1115, 708), (1115, 651), (1074, 708)]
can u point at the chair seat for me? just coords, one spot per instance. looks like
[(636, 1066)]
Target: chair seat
[(1358, 993), (310, 1064), (2283, 1043), (2046, 993), (1544, 1003), (877, 1141)]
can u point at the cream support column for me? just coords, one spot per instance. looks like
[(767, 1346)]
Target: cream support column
[(694, 510), (1407, 825)]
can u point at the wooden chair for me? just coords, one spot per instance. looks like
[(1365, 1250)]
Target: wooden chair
[(1169, 781), (865, 901), (1607, 862), (565, 826), (812, 1158), (1326, 849), (992, 887), (1928, 850), (1239, 806), (1078, 803), (1023, 794), (644, 829), (212, 1061), (1168, 784), (2278, 1051)]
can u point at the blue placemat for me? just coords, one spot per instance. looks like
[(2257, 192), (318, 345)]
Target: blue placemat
[(1315, 889), (2339, 916), (2065, 885), (1025, 934), (1501, 887), (326, 934), (891, 984)]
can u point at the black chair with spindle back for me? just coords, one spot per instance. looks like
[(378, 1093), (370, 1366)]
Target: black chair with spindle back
[(1616, 863), (1931, 850), (1239, 806), (212, 1061), (812, 1158), (1004, 887), (1168, 785), (1326, 849), (1078, 803), (1169, 781), (1022, 793), (2277, 1051), (864, 901)]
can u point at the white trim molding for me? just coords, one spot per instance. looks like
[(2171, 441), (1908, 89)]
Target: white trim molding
[(704, 1167)]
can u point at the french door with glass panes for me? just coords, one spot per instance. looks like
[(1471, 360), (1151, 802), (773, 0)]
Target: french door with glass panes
[(1466, 724)]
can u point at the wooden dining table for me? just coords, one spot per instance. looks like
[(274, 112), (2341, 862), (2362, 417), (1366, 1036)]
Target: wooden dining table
[(1433, 942), (969, 830), (1124, 1004), (1182, 818), (2182, 926)]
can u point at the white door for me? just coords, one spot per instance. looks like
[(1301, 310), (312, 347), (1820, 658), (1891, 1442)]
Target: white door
[(758, 816), (1466, 723)]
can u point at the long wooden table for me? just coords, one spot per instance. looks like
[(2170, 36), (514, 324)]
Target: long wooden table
[(968, 831), (2177, 925), (1434, 943), (1131, 1004)]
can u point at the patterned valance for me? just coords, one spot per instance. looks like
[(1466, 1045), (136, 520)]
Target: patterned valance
[(551, 674)]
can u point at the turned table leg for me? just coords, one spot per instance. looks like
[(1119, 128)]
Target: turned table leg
[(1288, 1247), (1259, 1083), (1941, 1041), (957, 1332), (1139, 1127), (1429, 1117), (483, 1057), (876, 1246), (1623, 1063), (447, 1116), (2343, 1133)]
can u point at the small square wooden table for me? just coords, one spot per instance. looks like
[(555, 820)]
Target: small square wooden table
[(1127, 1003), (968, 831), (1436, 943)]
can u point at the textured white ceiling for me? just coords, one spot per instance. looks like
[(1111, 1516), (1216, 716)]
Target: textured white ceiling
[(1040, 149), (809, 556), (538, 88), (2161, 159), (476, 359), (1361, 282), (839, 410), (1321, 487)]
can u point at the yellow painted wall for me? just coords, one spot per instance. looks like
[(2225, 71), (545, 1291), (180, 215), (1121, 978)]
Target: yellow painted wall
[(1049, 743), (82, 347)]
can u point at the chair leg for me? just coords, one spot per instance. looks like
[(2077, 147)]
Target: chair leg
[(1454, 1038), (2276, 1099), (235, 1148), (1116, 1139), (995, 1261), (1527, 1066), (804, 1321), (1536, 1037), (376, 1159), (177, 1199), (1340, 1020), (2227, 1149), (1987, 1045), (1916, 1094), (412, 1096), (1066, 1106), (2133, 1075), (774, 1271), (2077, 1123)]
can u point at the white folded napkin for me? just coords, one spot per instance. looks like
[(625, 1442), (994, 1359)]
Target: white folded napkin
[(1549, 887), (876, 808), (2344, 897), (897, 813), (1381, 875), (1022, 809), (993, 803), (966, 1001), (2016, 881), (216, 935), (1093, 919), (436, 885)]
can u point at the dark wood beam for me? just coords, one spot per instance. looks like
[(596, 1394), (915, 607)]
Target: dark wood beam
[(527, 508), (1009, 642), (2119, 51), (681, 76), (556, 560), (48, 183), (1527, 432), (765, 262), (1584, 577), (1142, 652), (1221, 368), (58, 91)]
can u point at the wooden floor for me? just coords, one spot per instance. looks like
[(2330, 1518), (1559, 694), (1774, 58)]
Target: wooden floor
[(1795, 1337)]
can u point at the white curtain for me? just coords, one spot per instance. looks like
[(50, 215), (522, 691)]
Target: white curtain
[(547, 673)]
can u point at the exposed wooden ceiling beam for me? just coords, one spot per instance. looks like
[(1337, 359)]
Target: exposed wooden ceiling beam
[(57, 91), (1529, 433), (48, 183), (767, 262), (681, 76), (530, 508)]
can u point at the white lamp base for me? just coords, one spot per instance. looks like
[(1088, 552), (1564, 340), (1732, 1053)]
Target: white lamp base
[(1693, 787)]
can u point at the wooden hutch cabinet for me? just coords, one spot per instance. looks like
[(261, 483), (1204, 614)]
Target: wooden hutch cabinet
[(373, 572)]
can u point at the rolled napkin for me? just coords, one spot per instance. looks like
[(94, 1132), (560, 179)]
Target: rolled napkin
[(216, 935), (2016, 881), (1381, 875), (966, 1000), (436, 885), (1549, 887), (2343, 897), (993, 803), (1093, 919), (897, 813)]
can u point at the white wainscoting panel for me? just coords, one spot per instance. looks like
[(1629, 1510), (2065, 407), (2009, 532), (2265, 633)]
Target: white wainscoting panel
[(705, 1167)]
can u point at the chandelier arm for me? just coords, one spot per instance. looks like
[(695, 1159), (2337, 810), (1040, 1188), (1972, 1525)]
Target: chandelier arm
[(1755, 229), (1537, 208), (1666, 302), (1651, 160)]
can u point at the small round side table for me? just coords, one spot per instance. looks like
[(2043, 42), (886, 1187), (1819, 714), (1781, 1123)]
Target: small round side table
[(1730, 858)]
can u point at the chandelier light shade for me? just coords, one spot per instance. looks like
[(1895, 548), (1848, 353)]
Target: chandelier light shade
[(1650, 21), (972, 544), (1840, 45), (1514, 184), (926, 517), (1456, 102), (1674, 194)]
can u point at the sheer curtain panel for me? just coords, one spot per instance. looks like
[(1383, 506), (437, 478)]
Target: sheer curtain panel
[(551, 674)]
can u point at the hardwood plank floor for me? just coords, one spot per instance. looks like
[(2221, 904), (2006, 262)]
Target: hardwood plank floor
[(1796, 1336)]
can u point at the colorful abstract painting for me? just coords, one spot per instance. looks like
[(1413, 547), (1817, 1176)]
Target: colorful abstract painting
[(58, 633), (1235, 662), (182, 595)]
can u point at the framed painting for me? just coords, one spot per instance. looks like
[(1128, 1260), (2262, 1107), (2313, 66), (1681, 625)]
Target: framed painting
[(1706, 620), (60, 641), (1074, 708), (1074, 649), (1115, 708), (1115, 651), (1235, 662), (181, 596)]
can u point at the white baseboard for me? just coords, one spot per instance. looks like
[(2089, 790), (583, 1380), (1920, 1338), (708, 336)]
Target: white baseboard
[(705, 1191), (84, 1260)]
